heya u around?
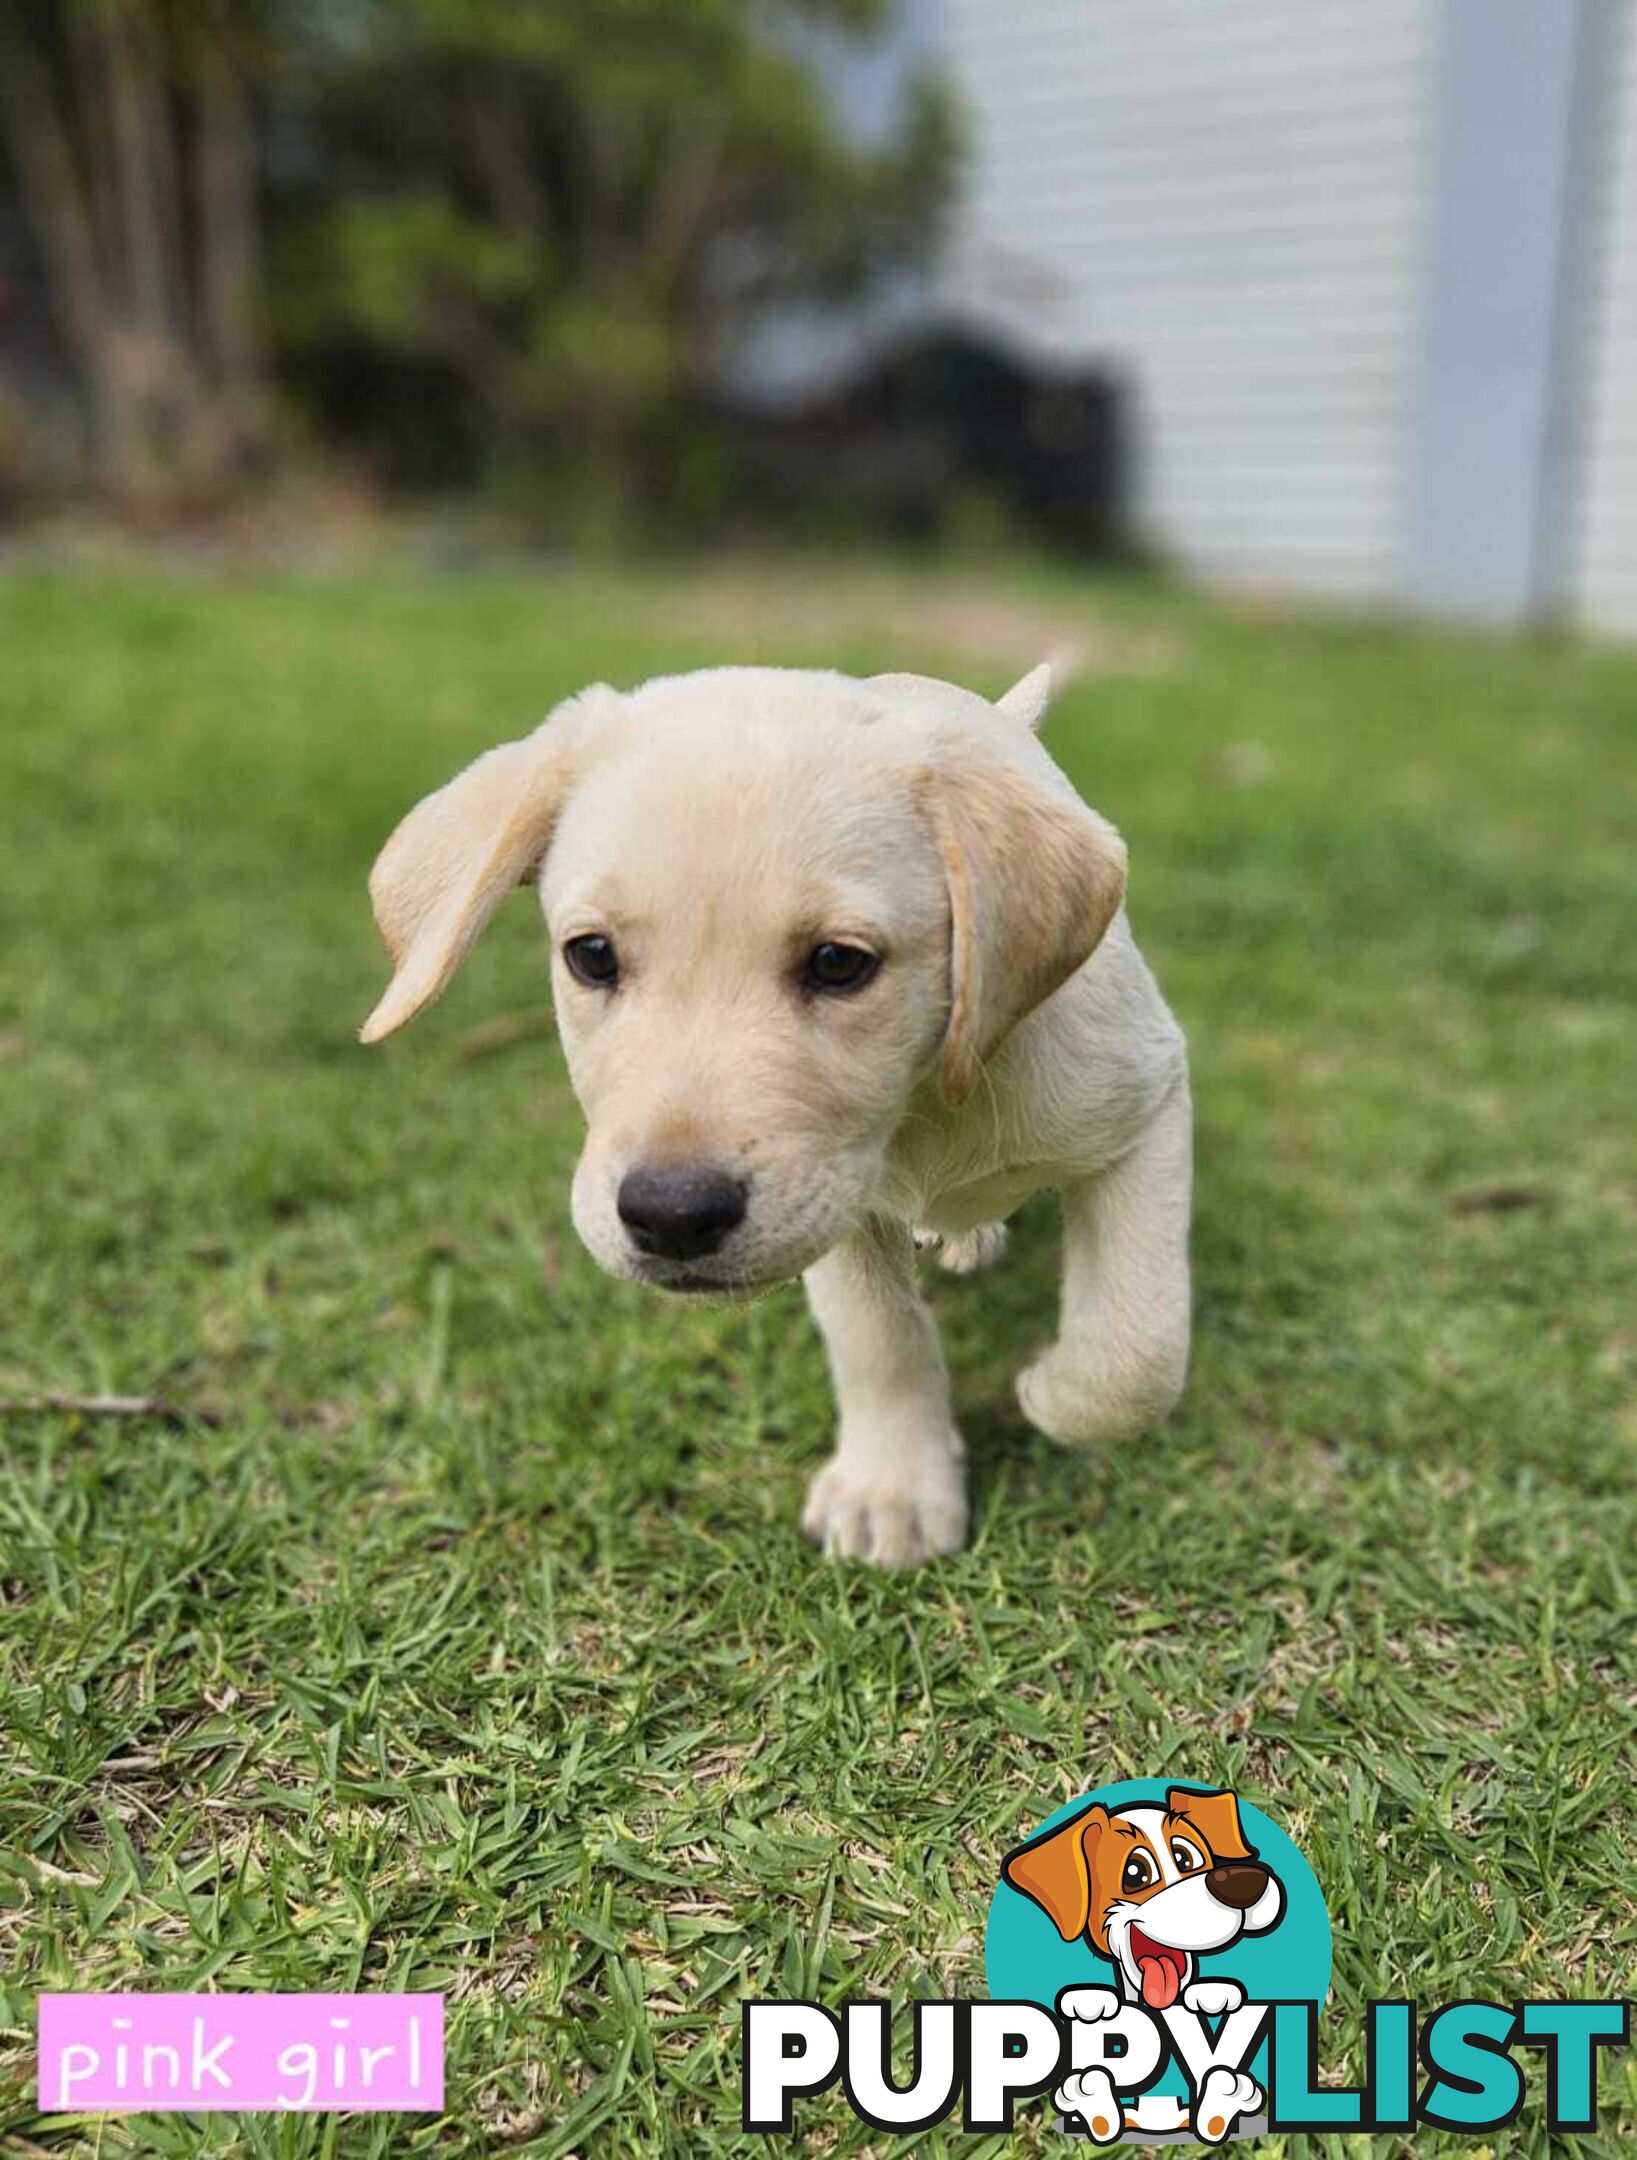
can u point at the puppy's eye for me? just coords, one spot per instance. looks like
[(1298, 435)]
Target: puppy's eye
[(1139, 1872), (593, 960), (1185, 1856), (832, 966)]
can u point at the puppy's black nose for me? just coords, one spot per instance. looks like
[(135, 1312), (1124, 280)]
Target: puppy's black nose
[(680, 1212), (1238, 1884)]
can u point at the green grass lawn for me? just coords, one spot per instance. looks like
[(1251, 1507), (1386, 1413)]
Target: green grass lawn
[(460, 1634)]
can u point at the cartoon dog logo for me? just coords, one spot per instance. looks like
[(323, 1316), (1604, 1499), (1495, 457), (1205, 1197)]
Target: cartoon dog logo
[(1153, 1889)]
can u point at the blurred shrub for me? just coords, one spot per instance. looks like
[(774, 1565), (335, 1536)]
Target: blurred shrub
[(521, 235), (480, 240)]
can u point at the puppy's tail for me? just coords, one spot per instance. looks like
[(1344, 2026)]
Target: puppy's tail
[(1028, 699)]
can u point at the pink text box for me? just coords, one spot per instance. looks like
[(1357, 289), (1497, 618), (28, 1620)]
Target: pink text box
[(286, 2054)]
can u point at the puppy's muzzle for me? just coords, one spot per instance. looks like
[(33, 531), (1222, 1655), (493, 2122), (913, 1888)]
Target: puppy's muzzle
[(1238, 1885), (680, 1211)]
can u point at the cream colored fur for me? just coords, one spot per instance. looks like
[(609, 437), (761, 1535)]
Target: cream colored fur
[(717, 827)]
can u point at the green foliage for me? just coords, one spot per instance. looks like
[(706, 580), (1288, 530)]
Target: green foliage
[(396, 260), (475, 1646), (568, 211)]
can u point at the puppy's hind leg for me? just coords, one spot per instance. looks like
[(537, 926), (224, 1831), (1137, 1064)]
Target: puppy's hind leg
[(1121, 1355), (895, 1490), (967, 1254)]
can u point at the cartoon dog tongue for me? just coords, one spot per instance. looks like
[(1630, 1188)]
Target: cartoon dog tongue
[(1160, 1981)]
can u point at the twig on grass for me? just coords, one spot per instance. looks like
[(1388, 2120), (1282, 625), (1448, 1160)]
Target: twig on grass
[(106, 1406)]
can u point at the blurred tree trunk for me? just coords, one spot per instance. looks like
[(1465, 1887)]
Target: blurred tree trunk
[(131, 127), (230, 239)]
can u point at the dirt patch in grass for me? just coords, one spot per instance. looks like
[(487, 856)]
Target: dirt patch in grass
[(772, 614)]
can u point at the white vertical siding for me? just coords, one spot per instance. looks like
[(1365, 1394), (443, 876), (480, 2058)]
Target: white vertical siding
[(1224, 202), (1602, 508)]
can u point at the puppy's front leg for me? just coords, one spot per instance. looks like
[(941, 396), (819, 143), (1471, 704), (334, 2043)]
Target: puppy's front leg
[(895, 1490), (1121, 1355)]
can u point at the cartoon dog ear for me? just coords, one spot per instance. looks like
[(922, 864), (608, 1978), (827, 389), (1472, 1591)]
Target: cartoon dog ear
[(1034, 880), (1055, 1870), (1215, 1815), (459, 852)]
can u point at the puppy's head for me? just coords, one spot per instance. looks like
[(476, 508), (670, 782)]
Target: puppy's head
[(777, 902), (1153, 1889)]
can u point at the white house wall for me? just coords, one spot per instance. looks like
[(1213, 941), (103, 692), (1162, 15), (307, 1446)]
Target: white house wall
[(1602, 571), (1224, 202)]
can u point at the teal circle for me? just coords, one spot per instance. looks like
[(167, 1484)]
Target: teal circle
[(1026, 1960)]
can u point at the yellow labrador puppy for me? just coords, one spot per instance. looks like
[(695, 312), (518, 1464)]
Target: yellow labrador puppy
[(837, 962)]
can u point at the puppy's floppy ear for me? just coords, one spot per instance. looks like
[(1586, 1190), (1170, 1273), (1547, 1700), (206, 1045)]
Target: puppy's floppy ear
[(1034, 877), (460, 851), (1055, 1870), (1215, 1815)]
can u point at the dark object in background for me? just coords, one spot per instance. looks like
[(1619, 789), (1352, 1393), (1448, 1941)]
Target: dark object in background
[(940, 416)]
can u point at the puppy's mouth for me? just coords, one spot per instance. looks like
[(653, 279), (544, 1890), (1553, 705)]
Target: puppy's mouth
[(693, 1283), (1162, 1969)]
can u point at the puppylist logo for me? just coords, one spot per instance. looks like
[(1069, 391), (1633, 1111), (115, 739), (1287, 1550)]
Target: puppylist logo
[(1157, 1957), (1173, 1900)]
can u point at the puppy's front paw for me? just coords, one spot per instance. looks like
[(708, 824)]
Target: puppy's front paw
[(1071, 1400), (890, 1518)]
